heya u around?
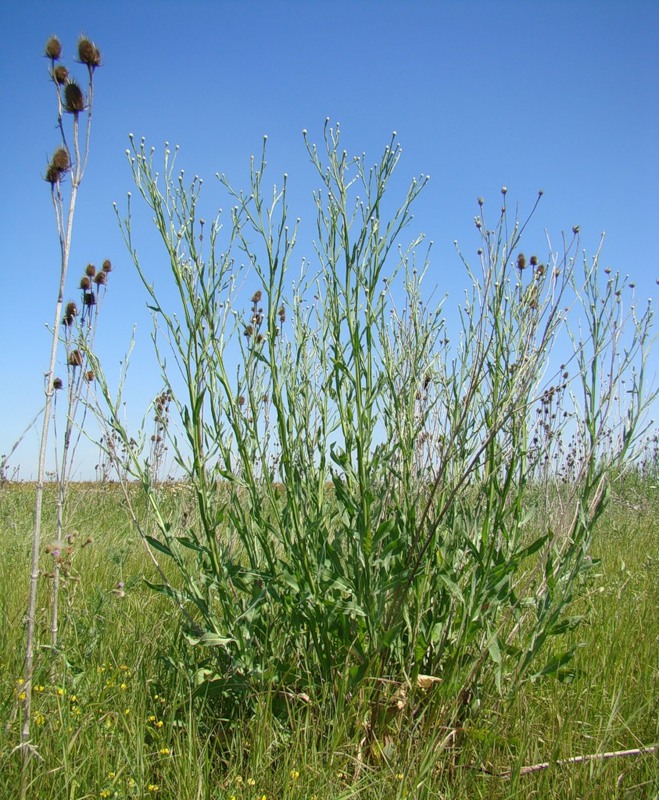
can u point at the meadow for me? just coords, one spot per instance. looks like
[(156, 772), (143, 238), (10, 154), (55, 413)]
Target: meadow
[(406, 553), (114, 717)]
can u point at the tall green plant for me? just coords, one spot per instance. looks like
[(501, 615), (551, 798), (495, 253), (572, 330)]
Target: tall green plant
[(362, 475)]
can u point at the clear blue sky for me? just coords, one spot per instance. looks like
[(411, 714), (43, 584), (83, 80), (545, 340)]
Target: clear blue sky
[(558, 95)]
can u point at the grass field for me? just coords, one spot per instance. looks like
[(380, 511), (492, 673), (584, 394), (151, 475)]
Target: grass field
[(113, 718)]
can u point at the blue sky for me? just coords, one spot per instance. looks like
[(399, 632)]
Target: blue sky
[(562, 96)]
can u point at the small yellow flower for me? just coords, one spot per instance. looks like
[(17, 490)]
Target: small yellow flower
[(165, 751), (251, 782), (152, 718), (20, 682), (123, 668), (112, 775), (73, 698), (153, 787), (104, 793), (22, 696), (39, 718), (159, 724), (399, 776), (60, 692), (123, 687), (131, 783), (127, 711), (295, 774), (39, 688)]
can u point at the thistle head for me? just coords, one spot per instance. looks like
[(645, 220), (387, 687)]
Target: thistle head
[(60, 74), (74, 100), (88, 53), (53, 49)]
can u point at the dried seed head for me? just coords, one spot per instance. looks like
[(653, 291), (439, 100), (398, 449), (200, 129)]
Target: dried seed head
[(74, 100), (249, 331), (53, 48), (85, 283), (282, 314), (60, 74), (57, 383), (521, 261), (75, 358), (60, 160), (100, 279), (533, 261), (52, 175), (89, 375), (256, 297), (88, 53), (107, 265), (71, 309), (90, 270)]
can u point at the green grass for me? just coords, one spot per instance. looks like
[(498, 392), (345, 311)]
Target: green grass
[(114, 719)]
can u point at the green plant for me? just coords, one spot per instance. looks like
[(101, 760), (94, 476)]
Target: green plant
[(361, 473)]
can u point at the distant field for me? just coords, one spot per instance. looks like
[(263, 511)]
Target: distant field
[(112, 718)]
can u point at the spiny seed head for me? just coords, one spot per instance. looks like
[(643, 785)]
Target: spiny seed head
[(101, 278), (534, 261), (249, 331), (89, 375), (71, 309), (53, 48), (107, 265), (256, 297), (90, 270), (75, 358), (282, 314), (521, 261), (60, 160), (88, 53), (52, 175), (60, 74), (85, 283), (57, 383), (74, 100)]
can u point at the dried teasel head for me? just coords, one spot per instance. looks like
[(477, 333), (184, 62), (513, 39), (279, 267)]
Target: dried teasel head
[(57, 383), (90, 270), (256, 297), (75, 358), (61, 160), (85, 283), (74, 100), (52, 175), (53, 48), (89, 375), (60, 74), (101, 278), (107, 265), (521, 261), (88, 53)]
